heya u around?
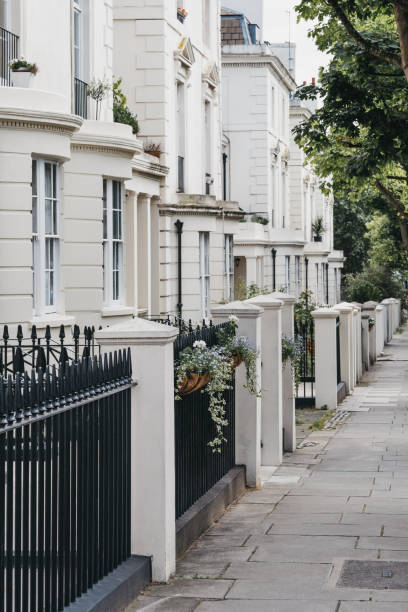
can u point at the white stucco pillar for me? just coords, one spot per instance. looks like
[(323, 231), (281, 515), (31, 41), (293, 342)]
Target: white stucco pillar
[(144, 253), (365, 345), (251, 270), (288, 389), (379, 318), (271, 352), (326, 357), (153, 521), (358, 364), (388, 324), (247, 406), (370, 309), (346, 345)]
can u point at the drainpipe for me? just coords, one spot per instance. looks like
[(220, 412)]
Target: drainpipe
[(307, 273), (179, 227), (273, 252)]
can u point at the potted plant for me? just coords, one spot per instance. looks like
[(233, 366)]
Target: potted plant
[(259, 219), (181, 14), (22, 72), (98, 89), (318, 229)]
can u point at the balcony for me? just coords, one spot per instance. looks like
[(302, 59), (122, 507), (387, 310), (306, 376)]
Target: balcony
[(9, 49), (81, 98)]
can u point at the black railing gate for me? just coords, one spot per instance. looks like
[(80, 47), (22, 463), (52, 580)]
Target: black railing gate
[(305, 393)]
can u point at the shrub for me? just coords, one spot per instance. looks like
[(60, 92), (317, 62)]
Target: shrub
[(374, 284), (121, 111)]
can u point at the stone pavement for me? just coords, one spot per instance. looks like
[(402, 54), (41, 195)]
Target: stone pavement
[(343, 496)]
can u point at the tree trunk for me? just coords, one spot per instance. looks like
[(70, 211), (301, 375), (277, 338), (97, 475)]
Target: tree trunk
[(404, 234), (401, 19)]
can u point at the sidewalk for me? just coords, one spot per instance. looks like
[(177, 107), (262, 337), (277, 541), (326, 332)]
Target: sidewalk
[(343, 496)]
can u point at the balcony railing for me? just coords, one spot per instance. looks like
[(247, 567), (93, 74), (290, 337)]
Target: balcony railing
[(9, 44), (81, 98)]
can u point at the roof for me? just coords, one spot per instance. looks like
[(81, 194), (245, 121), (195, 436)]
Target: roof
[(236, 29)]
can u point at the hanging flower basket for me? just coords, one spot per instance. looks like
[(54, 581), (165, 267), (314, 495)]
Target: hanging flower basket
[(236, 361), (192, 381), (181, 14)]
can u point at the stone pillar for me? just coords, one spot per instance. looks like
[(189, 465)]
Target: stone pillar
[(365, 346), (379, 323), (288, 389), (370, 309), (358, 363), (247, 406), (326, 357), (389, 331), (153, 521), (271, 352), (346, 345)]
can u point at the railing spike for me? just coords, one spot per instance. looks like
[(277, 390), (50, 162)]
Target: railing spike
[(62, 333), (19, 335), (26, 395), (6, 335), (34, 398), (3, 406), (18, 398), (48, 333), (34, 332)]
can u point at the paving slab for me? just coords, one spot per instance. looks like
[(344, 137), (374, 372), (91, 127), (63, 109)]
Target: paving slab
[(166, 604), (184, 587), (363, 606), (267, 606)]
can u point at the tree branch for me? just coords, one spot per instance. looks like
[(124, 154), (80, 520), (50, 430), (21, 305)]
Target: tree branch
[(391, 199), (403, 179), (390, 58)]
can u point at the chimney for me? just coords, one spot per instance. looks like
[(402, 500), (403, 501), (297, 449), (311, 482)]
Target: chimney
[(304, 83), (313, 81)]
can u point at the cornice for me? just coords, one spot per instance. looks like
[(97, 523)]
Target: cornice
[(261, 61), (149, 168), (199, 211), (23, 119), (107, 144)]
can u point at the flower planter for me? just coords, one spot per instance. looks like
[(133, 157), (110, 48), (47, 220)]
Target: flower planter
[(192, 382), (317, 238), (181, 17), (21, 78), (236, 361)]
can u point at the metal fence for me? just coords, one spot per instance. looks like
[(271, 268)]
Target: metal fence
[(81, 98), (64, 480), (305, 393), (197, 467), (9, 44), (38, 351)]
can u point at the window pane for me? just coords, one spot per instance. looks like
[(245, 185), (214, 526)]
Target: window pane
[(54, 181), (34, 177), (48, 180), (34, 216), (117, 194), (115, 224), (54, 218), (48, 216), (105, 212)]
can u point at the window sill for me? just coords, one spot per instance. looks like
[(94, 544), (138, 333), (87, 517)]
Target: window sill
[(53, 320), (118, 311)]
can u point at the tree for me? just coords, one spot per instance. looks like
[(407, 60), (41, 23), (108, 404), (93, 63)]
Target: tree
[(385, 244), (350, 234), (351, 14), (358, 139)]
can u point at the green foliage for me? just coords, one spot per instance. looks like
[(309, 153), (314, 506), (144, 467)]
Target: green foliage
[(385, 243), (15, 64), (292, 350), (373, 283), (304, 307), (121, 111), (259, 219), (244, 292), (350, 233), (318, 227)]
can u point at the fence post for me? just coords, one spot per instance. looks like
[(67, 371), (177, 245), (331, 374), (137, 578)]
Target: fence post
[(271, 352), (326, 357), (370, 309), (379, 323), (288, 399), (247, 407), (365, 345), (389, 329), (357, 342), (153, 525), (346, 345)]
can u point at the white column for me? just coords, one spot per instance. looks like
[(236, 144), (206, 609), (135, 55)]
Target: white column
[(389, 330), (379, 323), (144, 253), (153, 521), (288, 400), (251, 270), (370, 309), (346, 345), (326, 357), (365, 345), (358, 364), (247, 406), (271, 352)]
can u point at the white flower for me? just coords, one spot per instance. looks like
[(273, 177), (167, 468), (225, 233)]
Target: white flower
[(233, 319), (200, 344)]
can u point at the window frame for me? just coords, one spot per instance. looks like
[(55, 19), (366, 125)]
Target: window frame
[(229, 266), (204, 250), (46, 300), (78, 48), (113, 275)]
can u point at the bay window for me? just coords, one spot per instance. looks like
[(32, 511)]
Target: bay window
[(113, 242), (204, 238), (45, 235), (229, 267)]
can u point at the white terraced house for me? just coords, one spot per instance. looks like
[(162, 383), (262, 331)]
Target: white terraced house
[(74, 186), (168, 53), (275, 247)]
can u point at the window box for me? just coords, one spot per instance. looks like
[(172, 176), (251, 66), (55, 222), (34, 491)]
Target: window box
[(181, 14)]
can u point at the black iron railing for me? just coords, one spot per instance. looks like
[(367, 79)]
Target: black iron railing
[(305, 394), (20, 353), (81, 98), (64, 480), (338, 350), (197, 467), (9, 45)]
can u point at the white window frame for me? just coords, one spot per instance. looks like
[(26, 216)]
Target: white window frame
[(204, 243), (229, 266), (317, 282), (113, 246), (287, 272), (78, 48), (45, 240)]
